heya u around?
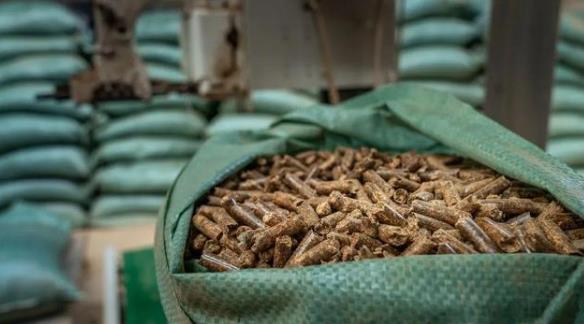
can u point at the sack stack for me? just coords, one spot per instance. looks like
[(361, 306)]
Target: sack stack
[(440, 46), (43, 143), (157, 34), (566, 126), (140, 147)]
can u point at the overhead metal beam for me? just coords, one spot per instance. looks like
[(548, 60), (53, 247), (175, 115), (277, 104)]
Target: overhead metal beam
[(521, 56)]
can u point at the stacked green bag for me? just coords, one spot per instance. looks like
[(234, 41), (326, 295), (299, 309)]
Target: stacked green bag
[(33, 278), (140, 149), (438, 46), (43, 143), (566, 125), (478, 288), (259, 111), (157, 34)]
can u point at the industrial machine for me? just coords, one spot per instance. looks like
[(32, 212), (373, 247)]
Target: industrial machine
[(256, 44), (232, 47)]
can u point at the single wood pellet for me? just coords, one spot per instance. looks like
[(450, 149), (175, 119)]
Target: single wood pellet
[(348, 205)]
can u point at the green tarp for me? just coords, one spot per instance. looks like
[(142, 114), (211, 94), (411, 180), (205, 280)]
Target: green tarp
[(446, 289)]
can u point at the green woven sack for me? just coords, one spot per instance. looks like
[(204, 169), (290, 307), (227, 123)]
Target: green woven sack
[(566, 75), (59, 161), (273, 102), (441, 62), (165, 72), (564, 124), (144, 148), (415, 9), (22, 98), (238, 123), (437, 31), (569, 98), (19, 130), (49, 67), (33, 280), (438, 289), (71, 212), (159, 26), (165, 123), (471, 93), (144, 177), (160, 53), (19, 17), (571, 55), (172, 101), (13, 46), (41, 190), (127, 209), (569, 150), (572, 26), (25, 90)]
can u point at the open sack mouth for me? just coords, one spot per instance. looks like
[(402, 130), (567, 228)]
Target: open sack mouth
[(321, 207), (294, 196)]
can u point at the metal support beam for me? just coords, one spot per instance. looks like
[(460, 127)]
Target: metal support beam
[(522, 40)]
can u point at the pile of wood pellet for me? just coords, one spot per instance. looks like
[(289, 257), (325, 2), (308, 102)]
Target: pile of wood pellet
[(348, 205)]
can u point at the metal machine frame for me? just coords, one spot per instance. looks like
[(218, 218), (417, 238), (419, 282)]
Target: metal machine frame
[(519, 73)]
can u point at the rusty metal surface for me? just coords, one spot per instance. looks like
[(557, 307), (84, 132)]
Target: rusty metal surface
[(117, 70), (116, 59)]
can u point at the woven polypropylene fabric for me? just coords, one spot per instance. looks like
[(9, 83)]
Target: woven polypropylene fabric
[(420, 289), (460, 289)]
